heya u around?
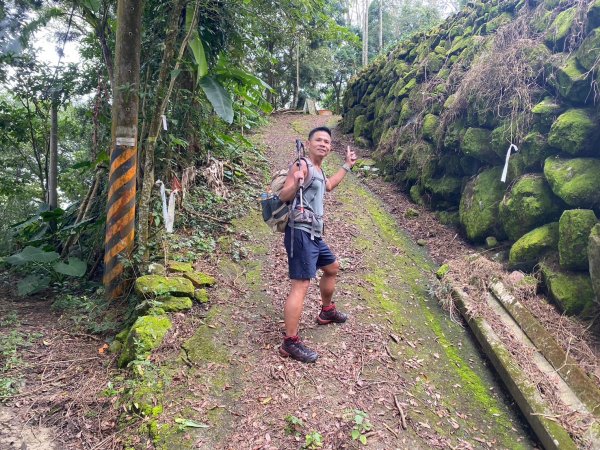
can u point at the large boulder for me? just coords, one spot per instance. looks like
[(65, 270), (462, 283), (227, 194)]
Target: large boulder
[(575, 132), (157, 285), (529, 204), (571, 291), (200, 279), (593, 14), (546, 112), (531, 247), (559, 29), (477, 143), (571, 82), (574, 229), (145, 335), (444, 188), (589, 51), (576, 180), (361, 127), (430, 126), (535, 150), (479, 205), (593, 252)]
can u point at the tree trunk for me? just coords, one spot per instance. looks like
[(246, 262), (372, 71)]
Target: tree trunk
[(162, 99), (365, 55), (53, 162), (380, 26), (120, 216)]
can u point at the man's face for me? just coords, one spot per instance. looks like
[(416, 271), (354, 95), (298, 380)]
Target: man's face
[(320, 144)]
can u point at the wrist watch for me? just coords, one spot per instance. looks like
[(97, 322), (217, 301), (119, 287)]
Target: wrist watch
[(346, 167)]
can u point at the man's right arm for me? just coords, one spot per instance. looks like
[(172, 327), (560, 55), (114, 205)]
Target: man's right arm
[(295, 179)]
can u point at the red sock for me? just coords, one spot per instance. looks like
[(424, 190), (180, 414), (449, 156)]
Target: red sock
[(328, 307)]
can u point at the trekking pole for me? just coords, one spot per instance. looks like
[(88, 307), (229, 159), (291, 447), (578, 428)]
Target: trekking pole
[(299, 149)]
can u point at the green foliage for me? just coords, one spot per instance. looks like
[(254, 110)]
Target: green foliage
[(313, 441), (89, 313), (293, 425), (42, 268), (361, 425)]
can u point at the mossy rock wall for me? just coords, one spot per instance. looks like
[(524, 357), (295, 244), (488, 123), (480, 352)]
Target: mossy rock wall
[(429, 134)]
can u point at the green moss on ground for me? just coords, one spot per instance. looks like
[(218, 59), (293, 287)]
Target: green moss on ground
[(145, 335)]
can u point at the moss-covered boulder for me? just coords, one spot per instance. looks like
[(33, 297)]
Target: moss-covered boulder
[(576, 180), (529, 204), (571, 291), (157, 269), (201, 295), (361, 127), (444, 188), (430, 126), (589, 51), (479, 205), (200, 279), (176, 304), (593, 252), (145, 335), (546, 112), (559, 29), (416, 194), (157, 285), (571, 82), (178, 266), (535, 150), (477, 143), (593, 15), (575, 132), (531, 247), (573, 234)]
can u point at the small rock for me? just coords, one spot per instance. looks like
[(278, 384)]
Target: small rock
[(422, 242), (175, 304), (200, 279), (184, 267), (516, 276), (442, 271), (491, 242), (201, 295), (156, 285), (157, 269)]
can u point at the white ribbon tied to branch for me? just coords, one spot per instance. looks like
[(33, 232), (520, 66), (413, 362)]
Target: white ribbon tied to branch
[(168, 211), (505, 170)]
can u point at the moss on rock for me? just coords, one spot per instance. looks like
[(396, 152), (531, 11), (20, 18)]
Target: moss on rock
[(477, 143), (593, 15), (177, 266), (546, 112), (531, 247), (200, 279), (444, 188), (156, 285), (559, 29), (145, 335), (593, 252), (479, 205), (361, 127), (571, 82), (416, 194), (201, 295), (572, 292), (176, 304), (529, 204), (430, 126), (573, 233), (535, 150), (589, 51), (576, 180), (574, 132)]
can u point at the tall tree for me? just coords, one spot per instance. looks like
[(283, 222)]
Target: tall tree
[(365, 33), (380, 26), (120, 216)]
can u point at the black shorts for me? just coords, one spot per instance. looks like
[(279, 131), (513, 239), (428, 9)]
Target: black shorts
[(309, 255)]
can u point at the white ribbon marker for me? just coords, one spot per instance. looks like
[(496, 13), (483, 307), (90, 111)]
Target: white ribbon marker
[(168, 211), (505, 170), (164, 121)]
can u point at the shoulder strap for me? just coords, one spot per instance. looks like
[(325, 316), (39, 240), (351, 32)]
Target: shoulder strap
[(311, 172)]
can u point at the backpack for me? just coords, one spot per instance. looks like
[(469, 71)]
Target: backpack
[(276, 212)]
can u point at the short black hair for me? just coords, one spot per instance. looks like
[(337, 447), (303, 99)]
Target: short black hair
[(315, 130)]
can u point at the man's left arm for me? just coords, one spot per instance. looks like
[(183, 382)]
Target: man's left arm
[(337, 178)]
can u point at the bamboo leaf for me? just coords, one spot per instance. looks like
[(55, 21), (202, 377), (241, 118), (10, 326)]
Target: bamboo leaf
[(218, 97)]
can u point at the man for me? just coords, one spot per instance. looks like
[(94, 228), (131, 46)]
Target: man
[(304, 240)]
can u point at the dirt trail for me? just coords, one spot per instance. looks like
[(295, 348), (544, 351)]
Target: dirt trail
[(400, 358)]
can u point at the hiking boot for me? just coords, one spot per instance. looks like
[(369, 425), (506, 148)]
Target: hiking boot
[(329, 314), (294, 348)]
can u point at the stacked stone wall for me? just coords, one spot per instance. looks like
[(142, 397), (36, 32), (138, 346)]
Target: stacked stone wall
[(443, 108)]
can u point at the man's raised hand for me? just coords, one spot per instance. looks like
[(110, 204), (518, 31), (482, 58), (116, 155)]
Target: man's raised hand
[(350, 157)]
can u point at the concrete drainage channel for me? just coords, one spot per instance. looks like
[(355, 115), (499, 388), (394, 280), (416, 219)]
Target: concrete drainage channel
[(574, 388)]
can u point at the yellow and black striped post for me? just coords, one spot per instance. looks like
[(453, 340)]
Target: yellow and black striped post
[(120, 218), (120, 215)]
